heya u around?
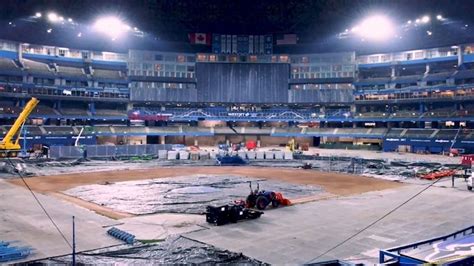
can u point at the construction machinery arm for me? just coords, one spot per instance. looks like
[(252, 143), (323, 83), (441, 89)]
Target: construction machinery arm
[(9, 142)]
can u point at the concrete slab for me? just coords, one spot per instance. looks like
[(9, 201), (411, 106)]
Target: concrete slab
[(242, 154), (269, 155), (24, 221), (251, 155), (278, 155), (288, 155), (183, 155), (306, 231), (260, 155), (212, 155), (172, 155), (162, 154)]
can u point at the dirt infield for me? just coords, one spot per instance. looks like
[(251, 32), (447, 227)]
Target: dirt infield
[(335, 183)]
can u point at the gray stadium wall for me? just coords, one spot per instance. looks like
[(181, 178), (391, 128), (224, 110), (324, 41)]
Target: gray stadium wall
[(242, 82), (163, 95), (321, 96)]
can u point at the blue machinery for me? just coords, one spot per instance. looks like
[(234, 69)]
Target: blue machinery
[(9, 252), (121, 235)]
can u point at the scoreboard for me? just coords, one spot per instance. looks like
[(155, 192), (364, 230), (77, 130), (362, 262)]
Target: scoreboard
[(242, 44)]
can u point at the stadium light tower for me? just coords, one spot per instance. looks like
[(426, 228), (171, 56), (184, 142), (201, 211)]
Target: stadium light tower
[(53, 17), (425, 19), (376, 28), (111, 26)]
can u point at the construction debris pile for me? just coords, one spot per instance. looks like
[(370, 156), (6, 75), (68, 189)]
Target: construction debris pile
[(378, 168), (173, 250)]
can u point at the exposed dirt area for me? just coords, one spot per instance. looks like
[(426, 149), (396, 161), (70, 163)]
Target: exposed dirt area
[(107, 212), (335, 183)]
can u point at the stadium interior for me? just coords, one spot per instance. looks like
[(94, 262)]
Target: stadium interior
[(416, 101), (293, 132)]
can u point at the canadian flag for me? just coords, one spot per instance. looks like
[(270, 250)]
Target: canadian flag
[(200, 38)]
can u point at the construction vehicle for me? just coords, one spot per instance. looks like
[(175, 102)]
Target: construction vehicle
[(291, 145), (232, 213), (261, 198), (10, 145)]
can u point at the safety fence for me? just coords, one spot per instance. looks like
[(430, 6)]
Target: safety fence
[(106, 151)]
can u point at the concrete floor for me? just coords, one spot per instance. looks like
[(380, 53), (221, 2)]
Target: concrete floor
[(301, 233), (23, 220), (294, 235)]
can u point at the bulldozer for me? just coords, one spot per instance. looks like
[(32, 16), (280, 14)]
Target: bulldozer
[(10, 144)]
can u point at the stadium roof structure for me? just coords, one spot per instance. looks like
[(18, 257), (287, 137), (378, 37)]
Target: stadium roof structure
[(320, 25)]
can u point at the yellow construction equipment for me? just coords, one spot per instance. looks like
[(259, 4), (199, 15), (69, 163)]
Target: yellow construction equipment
[(10, 145), (291, 145)]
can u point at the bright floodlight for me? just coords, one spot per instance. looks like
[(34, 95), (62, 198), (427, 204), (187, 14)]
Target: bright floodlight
[(439, 17), (53, 17), (425, 19), (38, 14), (376, 28), (111, 26)]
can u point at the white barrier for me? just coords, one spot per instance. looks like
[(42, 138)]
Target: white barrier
[(162, 154), (242, 154), (212, 155), (269, 155), (260, 155), (251, 155), (278, 155), (288, 155), (183, 155), (172, 155)]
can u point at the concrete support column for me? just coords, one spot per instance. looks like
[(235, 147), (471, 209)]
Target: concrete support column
[(258, 142), (20, 52), (394, 72), (196, 142), (353, 108), (129, 106), (421, 108), (427, 69), (162, 139), (92, 108), (460, 55)]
